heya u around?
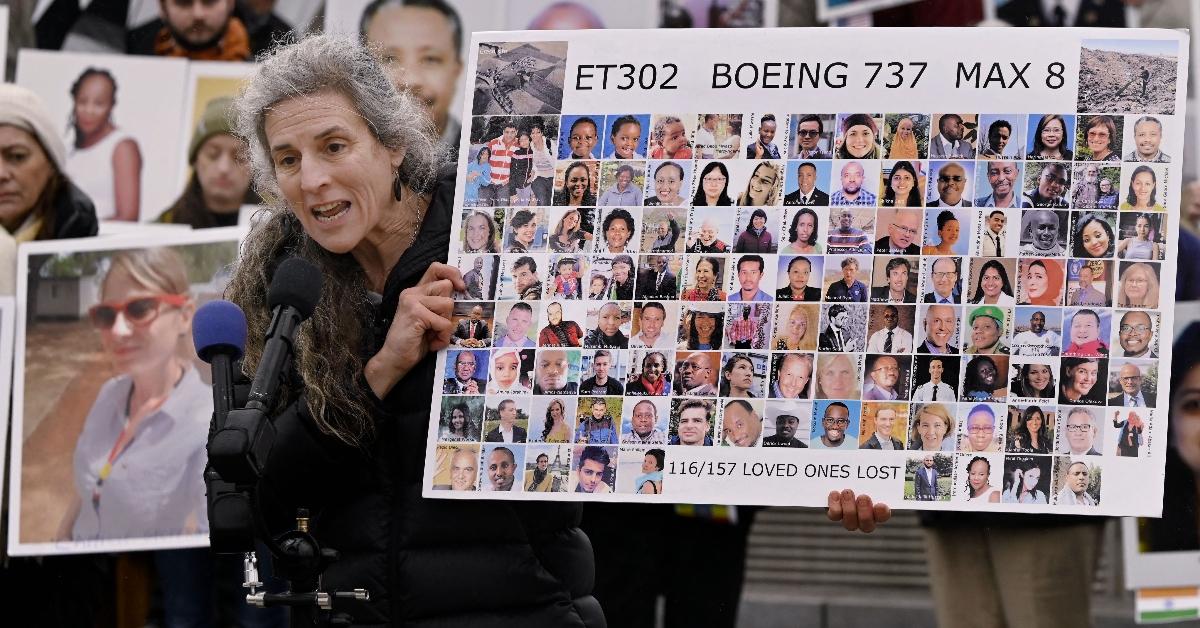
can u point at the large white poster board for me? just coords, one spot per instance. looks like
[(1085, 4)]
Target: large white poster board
[(751, 277)]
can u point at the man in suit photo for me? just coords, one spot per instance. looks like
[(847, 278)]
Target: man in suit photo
[(657, 281), (949, 142), (885, 421), (896, 290), (836, 337), (944, 281), (508, 431), (951, 181), (1080, 428), (806, 192), (1131, 394), (464, 381), (472, 331), (925, 480), (903, 232)]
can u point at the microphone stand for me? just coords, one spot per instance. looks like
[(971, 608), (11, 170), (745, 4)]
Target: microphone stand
[(239, 444)]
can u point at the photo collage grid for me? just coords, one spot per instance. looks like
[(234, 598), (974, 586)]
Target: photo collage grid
[(979, 289)]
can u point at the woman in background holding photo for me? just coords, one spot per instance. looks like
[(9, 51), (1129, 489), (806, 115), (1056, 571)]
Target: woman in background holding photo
[(104, 160)]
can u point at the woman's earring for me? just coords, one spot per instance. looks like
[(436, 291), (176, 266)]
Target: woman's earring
[(397, 187)]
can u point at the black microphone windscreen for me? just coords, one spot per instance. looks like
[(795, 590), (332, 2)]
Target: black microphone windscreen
[(297, 283), (219, 326)]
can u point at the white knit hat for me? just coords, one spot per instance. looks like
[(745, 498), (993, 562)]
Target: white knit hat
[(23, 109)]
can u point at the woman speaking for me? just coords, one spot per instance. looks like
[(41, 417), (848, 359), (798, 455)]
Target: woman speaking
[(364, 196)]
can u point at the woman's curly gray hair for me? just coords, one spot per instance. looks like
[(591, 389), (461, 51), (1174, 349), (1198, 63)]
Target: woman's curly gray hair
[(326, 62), (329, 347)]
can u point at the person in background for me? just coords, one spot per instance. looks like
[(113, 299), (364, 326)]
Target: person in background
[(949, 143), (201, 30), (38, 201), (1177, 530), (103, 159), (220, 182), (422, 42)]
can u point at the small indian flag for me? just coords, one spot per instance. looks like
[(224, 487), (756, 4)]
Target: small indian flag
[(1160, 606)]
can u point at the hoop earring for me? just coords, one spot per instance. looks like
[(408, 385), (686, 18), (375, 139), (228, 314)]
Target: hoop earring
[(397, 187)]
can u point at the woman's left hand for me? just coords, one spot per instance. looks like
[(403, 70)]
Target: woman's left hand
[(856, 514)]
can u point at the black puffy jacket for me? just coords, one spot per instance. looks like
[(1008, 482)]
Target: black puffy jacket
[(74, 214), (427, 562)]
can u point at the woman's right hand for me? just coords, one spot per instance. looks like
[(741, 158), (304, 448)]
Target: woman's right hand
[(422, 324)]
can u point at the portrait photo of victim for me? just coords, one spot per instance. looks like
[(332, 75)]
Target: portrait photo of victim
[(119, 321)]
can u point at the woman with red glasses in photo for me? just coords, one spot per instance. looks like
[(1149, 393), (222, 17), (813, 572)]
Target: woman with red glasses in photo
[(139, 461)]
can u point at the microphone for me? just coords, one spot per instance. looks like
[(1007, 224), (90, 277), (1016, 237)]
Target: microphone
[(293, 296), (241, 447), (219, 333)]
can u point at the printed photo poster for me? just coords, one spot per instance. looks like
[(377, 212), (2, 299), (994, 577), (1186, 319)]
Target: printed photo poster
[(957, 259), (115, 110), (1163, 552), (99, 320), (209, 83)]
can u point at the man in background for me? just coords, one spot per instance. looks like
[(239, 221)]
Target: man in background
[(220, 182), (422, 52), (200, 30)]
